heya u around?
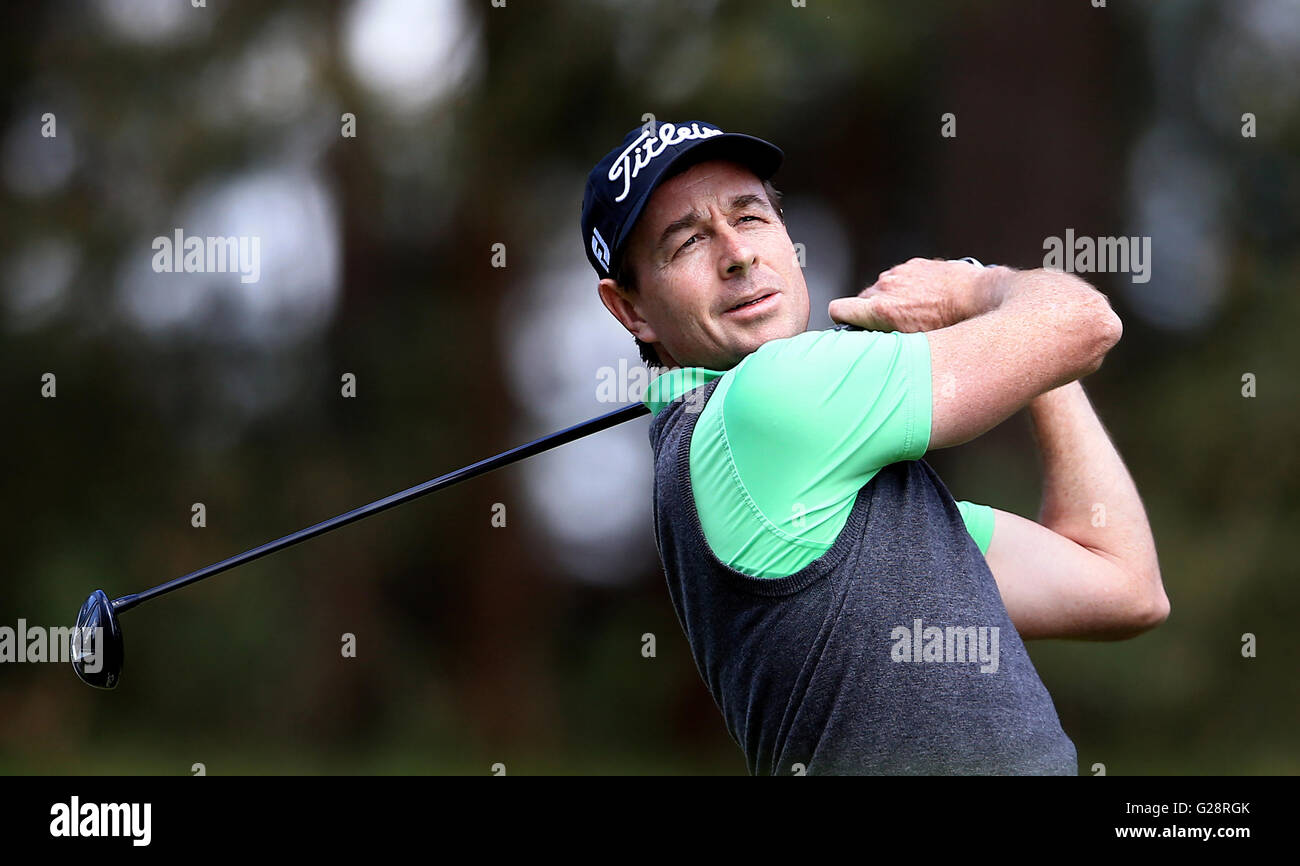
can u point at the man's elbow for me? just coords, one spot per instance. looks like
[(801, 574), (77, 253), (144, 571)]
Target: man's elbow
[(1132, 602), (1100, 329), (1147, 608), (1152, 612)]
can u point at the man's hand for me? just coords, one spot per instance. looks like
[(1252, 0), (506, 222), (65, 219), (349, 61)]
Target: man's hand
[(923, 295)]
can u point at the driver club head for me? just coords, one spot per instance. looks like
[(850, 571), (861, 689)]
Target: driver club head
[(97, 649)]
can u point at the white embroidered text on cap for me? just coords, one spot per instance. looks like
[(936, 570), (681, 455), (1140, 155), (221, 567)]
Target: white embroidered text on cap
[(669, 134)]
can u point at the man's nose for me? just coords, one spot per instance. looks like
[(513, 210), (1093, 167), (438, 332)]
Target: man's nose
[(738, 257)]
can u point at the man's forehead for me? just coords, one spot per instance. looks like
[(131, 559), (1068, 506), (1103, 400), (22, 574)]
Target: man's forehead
[(718, 180)]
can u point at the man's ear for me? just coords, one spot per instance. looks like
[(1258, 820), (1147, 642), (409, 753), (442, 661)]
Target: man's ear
[(624, 307)]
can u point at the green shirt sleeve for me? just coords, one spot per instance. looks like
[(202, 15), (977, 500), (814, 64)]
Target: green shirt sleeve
[(793, 433), (833, 407), (979, 523)]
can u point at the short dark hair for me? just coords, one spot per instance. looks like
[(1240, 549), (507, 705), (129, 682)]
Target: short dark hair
[(624, 273)]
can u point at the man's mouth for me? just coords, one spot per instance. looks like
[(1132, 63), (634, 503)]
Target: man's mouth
[(751, 303)]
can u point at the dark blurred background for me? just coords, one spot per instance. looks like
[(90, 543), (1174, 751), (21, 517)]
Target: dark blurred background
[(475, 126)]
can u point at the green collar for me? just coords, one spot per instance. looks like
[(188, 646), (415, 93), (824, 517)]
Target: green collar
[(670, 385)]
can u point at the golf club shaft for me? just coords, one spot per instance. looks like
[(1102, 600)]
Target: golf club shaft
[(505, 458)]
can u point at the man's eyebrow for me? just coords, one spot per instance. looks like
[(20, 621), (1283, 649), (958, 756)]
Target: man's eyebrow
[(684, 221), (749, 199), (690, 218)]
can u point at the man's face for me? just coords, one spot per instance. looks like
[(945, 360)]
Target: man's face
[(708, 240)]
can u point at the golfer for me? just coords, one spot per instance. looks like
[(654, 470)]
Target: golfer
[(846, 613)]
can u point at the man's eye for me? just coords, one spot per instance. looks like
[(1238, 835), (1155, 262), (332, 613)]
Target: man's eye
[(693, 238)]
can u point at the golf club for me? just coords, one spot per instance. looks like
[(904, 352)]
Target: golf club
[(106, 654)]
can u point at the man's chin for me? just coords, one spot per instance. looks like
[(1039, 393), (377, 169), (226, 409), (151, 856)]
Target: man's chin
[(769, 331), (750, 343)]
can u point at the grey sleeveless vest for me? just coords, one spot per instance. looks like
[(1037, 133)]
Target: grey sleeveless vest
[(892, 653)]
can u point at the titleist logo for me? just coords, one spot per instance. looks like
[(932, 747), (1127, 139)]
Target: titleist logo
[(639, 153)]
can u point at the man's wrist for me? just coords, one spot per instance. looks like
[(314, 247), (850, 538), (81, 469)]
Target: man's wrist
[(995, 284), (1041, 407)]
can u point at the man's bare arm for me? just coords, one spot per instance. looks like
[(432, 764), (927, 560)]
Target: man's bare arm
[(998, 337), (1099, 577), (1001, 340)]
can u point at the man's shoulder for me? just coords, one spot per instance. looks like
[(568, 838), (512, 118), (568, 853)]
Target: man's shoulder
[(804, 342), (786, 366), (830, 348)]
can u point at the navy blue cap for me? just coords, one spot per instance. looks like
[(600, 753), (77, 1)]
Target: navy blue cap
[(622, 182)]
